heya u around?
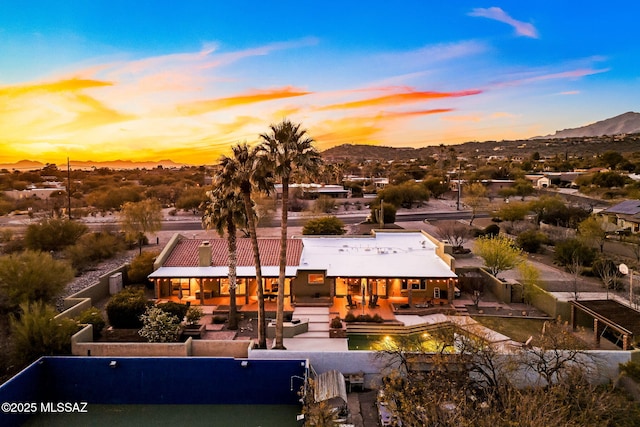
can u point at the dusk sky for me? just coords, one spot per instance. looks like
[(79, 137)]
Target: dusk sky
[(152, 80)]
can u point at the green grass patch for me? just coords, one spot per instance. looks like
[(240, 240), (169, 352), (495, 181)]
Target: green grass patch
[(518, 329)]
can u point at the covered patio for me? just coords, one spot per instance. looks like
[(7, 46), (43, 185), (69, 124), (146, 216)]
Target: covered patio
[(609, 316)]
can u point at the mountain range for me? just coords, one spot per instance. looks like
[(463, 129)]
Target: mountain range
[(623, 124), (627, 123)]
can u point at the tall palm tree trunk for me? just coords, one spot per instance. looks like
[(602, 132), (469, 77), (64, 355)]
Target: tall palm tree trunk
[(262, 323), (279, 344), (233, 262)]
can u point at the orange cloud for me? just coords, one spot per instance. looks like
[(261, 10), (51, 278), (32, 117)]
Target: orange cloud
[(67, 85), (400, 98), (202, 107)]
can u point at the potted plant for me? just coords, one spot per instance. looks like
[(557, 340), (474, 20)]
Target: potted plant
[(192, 328), (335, 328)]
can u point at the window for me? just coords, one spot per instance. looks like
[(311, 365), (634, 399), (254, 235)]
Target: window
[(316, 279), (414, 284)]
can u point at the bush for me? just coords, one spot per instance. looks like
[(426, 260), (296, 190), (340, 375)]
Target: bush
[(53, 234), (93, 316), (31, 276), (531, 240), (329, 225), (36, 333), (631, 369), (125, 308), (336, 323), (92, 248), (350, 317), (572, 249), (159, 326), (194, 314), (174, 308), (218, 319), (141, 267)]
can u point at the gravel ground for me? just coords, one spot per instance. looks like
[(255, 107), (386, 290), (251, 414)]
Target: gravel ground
[(90, 277)]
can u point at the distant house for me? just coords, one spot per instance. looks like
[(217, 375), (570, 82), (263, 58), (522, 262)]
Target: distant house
[(538, 181), (397, 265), (313, 191), (625, 215)]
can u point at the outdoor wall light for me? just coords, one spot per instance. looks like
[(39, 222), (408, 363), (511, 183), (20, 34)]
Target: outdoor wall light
[(244, 363), (113, 364)]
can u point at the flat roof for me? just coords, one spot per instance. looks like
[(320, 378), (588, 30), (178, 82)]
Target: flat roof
[(612, 311), (385, 254)]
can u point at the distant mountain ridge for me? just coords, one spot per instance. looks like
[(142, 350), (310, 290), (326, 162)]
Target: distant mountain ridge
[(114, 164), (623, 124)]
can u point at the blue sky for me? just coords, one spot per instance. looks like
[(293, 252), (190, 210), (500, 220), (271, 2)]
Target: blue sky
[(149, 80)]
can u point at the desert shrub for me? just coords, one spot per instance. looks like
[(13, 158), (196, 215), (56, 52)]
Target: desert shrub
[(36, 333), (329, 225), (531, 240), (324, 204), (490, 230), (573, 250), (350, 317), (30, 276), (92, 316), (53, 234), (631, 369), (194, 314), (141, 267), (218, 319), (92, 248), (336, 323), (159, 325), (174, 308), (377, 318), (125, 308)]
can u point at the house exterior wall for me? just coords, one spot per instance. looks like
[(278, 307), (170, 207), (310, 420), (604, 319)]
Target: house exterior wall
[(306, 284)]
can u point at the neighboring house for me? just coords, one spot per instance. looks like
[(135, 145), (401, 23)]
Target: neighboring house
[(47, 190), (538, 181), (313, 191), (625, 215), (398, 265)]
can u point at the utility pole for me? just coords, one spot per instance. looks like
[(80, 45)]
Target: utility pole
[(69, 187), (459, 189)]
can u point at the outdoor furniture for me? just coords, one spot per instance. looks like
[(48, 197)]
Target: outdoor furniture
[(350, 303), (373, 301)]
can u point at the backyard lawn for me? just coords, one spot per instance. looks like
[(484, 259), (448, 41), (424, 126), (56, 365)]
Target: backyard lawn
[(518, 329)]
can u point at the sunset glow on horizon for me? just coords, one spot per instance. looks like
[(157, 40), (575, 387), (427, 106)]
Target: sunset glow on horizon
[(139, 81)]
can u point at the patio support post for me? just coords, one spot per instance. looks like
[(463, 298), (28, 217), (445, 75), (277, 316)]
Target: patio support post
[(574, 319)]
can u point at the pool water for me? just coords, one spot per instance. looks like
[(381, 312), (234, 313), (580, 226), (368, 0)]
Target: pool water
[(419, 341), (173, 415)]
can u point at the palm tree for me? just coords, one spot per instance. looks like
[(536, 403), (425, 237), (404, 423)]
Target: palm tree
[(245, 172), (287, 149), (224, 212)]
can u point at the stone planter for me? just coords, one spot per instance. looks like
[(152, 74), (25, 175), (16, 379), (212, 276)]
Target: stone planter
[(338, 333), (195, 331)]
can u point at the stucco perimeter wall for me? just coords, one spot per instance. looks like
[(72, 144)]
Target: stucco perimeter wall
[(99, 290), (222, 348), (82, 344), (347, 362)]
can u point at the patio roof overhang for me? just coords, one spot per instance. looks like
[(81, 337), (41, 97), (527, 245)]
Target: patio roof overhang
[(218, 272)]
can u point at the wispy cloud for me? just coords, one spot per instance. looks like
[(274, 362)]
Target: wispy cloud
[(201, 107), (522, 28), (399, 99), (570, 92)]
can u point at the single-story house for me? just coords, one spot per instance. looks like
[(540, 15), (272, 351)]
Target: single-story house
[(313, 191), (398, 264), (625, 215)]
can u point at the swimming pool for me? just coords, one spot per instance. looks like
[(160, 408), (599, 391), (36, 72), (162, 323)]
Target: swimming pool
[(425, 341), (202, 384)]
